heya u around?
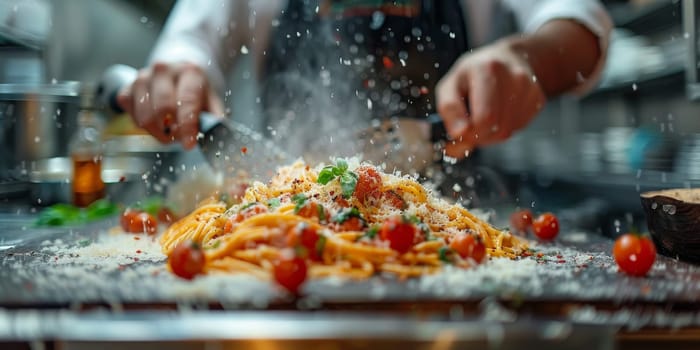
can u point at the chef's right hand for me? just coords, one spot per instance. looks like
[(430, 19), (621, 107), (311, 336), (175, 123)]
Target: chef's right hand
[(166, 99)]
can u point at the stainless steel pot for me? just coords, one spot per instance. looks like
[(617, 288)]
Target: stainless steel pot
[(36, 122)]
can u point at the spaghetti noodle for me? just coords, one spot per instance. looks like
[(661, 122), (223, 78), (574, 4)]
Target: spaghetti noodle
[(361, 222)]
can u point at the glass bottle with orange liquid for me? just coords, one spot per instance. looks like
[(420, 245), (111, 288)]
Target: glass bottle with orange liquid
[(86, 153)]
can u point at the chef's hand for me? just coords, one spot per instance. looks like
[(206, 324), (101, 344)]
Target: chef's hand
[(486, 96), (166, 100), (498, 89)]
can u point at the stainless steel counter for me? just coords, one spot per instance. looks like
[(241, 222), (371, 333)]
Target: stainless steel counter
[(92, 292)]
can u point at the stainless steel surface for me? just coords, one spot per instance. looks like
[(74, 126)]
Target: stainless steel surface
[(35, 122), (284, 330), (50, 179), (90, 265)]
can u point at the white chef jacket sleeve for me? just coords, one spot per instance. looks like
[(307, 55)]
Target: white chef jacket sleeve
[(208, 33), (532, 14)]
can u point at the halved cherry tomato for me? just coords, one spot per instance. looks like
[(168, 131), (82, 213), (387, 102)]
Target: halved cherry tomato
[(247, 212), (313, 210), (400, 234), (166, 216), (546, 226), (521, 221), (187, 260), (350, 224), (135, 221), (369, 183), (394, 200), (634, 254), (469, 246), (290, 273), (307, 237)]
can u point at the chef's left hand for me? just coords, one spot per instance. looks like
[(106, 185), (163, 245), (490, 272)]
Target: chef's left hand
[(486, 96)]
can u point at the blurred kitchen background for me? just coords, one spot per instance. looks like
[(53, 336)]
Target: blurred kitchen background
[(585, 157)]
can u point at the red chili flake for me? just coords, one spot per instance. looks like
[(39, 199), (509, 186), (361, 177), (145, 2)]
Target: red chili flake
[(244, 149), (388, 63), (583, 266), (540, 255), (168, 120), (138, 251), (559, 256), (526, 253), (136, 259), (122, 178), (561, 261), (136, 238), (424, 90)]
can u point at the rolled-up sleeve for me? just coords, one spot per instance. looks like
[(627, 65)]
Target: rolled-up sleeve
[(532, 14), (208, 33)]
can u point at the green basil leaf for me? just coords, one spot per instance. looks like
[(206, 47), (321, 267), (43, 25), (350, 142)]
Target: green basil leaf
[(101, 209), (342, 165), (348, 181), (326, 175), (152, 205)]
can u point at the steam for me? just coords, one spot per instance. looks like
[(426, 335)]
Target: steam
[(313, 106)]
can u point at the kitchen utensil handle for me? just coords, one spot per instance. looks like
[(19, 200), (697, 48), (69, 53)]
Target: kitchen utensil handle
[(437, 128)]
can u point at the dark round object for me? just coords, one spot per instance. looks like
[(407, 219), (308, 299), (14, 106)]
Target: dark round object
[(673, 218)]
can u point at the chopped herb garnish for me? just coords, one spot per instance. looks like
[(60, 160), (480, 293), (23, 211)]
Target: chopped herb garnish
[(248, 206), (273, 203), (299, 200), (215, 245), (348, 179), (321, 213), (320, 245), (346, 214), (445, 254), (84, 242), (66, 214), (371, 232)]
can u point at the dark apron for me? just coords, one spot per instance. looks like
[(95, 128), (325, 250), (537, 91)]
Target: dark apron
[(350, 61)]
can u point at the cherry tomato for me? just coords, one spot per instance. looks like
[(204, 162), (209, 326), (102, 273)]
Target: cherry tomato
[(400, 234), (135, 221), (307, 237), (243, 214), (369, 184), (166, 216), (187, 260), (394, 200), (350, 224), (634, 254), (469, 246), (290, 273), (313, 210), (546, 226), (521, 221)]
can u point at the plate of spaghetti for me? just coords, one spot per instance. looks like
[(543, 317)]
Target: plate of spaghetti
[(347, 219)]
